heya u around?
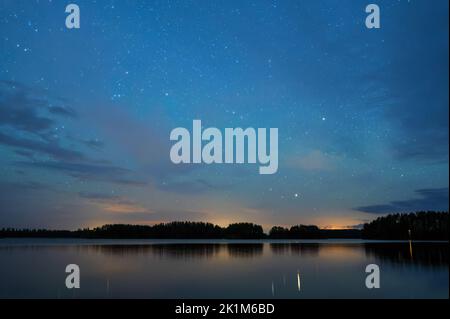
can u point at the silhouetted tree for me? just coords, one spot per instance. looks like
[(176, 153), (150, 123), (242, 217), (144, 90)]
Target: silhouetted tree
[(244, 231), (278, 232), (305, 232), (421, 225)]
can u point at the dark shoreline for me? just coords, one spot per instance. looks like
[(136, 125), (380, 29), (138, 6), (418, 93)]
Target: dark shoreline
[(413, 226)]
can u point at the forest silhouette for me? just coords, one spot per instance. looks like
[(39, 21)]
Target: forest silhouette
[(416, 226)]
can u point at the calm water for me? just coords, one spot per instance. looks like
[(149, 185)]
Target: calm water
[(222, 269)]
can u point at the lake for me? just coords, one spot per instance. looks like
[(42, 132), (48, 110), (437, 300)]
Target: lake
[(35, 268)]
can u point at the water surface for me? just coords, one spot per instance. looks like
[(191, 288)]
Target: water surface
[(35, 268)]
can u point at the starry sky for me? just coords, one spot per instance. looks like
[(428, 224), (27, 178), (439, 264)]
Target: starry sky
[(86, 114)]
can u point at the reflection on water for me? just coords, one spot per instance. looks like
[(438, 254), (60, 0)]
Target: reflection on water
[(410, 253), (224, 269), (244, 250), (311, 249)]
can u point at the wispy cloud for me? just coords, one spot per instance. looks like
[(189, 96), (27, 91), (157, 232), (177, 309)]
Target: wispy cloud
[(113, 203), (52, 149), (62, 111), (430, 199), (194, 186), (27, 126), (88, 171), (27, 109), (312, 161)]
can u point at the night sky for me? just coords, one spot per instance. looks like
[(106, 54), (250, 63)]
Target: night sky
[(85, 114)]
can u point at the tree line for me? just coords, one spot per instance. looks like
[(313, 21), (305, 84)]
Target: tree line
[(420, 226), (186, 230), (172, 230)]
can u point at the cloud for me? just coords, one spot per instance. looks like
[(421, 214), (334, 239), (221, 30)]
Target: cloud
[(18, 112), (86, 171), (430, 145), (93, 143), (114, 203), (26, 126), (52, 149), (63, 111), (190, 186), (130, 182), (23, 186), (315, 160), (431, 199), (123, 209), (96, 196), (89, 170), (79, 169), (26, 123), (148, 145), (23, 108), (24, 153)]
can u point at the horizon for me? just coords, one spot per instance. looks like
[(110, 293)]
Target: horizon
[(266, 228)]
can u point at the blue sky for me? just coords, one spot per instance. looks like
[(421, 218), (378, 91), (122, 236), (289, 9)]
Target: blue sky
[(85, 115)]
